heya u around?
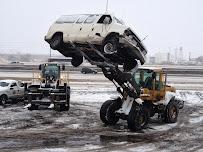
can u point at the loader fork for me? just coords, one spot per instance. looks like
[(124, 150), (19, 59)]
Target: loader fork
[(111, 71)]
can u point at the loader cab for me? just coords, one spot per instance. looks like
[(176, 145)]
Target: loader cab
[(51, 71), (152, 83)]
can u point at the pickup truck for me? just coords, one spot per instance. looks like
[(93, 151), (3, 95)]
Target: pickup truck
[(11, 90)]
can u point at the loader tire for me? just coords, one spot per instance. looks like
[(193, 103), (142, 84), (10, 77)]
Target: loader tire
[(107, 111), (63, 107), (171, 112), (138, 118)]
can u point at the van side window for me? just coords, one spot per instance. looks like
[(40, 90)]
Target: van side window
[(90, 19), (82, 19), (67, 19), (101, 20)]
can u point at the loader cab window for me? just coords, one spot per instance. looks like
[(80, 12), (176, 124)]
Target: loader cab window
[(160, 82), (51, 70), (105, 19), (144, 78), (148, 79)]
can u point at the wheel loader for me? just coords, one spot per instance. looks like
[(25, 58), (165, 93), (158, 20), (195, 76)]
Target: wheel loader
[(49, 87), (142, 94)]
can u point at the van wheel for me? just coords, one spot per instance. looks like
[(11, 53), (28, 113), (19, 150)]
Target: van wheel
[(107, 111), (56, 41), (3, 100), (138, 118), (171, 112), (76, 61), (110, 46)]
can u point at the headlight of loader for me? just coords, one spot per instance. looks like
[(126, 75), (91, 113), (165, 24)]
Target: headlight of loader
[(62, 77)]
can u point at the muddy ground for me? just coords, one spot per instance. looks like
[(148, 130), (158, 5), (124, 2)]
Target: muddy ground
[(80, 129)]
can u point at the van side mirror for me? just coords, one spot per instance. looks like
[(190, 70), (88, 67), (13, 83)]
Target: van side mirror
[(40, 67)]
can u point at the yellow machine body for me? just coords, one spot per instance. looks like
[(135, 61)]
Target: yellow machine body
[(153, 84)]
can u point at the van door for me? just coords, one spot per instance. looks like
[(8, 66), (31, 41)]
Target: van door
[(66, 24), (86, 28), (100, 29)]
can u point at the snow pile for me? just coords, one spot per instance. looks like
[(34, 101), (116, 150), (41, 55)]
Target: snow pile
[(191, 97), (88, 93), (92, 94)]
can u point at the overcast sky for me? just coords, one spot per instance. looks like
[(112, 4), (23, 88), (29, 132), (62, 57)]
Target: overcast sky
[(169, 24)]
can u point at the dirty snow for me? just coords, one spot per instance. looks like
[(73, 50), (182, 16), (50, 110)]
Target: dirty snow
[(81, 129)]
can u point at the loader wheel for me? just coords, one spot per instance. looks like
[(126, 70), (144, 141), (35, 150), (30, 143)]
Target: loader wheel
[(64, 107), (138, 118), (171, 112), (107, 111), (33, 107), (56, 41)]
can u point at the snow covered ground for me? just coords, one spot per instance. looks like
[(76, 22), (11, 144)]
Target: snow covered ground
[(81, 129)]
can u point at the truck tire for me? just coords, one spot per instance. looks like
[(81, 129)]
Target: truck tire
[(3, 99), (107, 111), (56, 41), (171, 112), (138, 118)]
